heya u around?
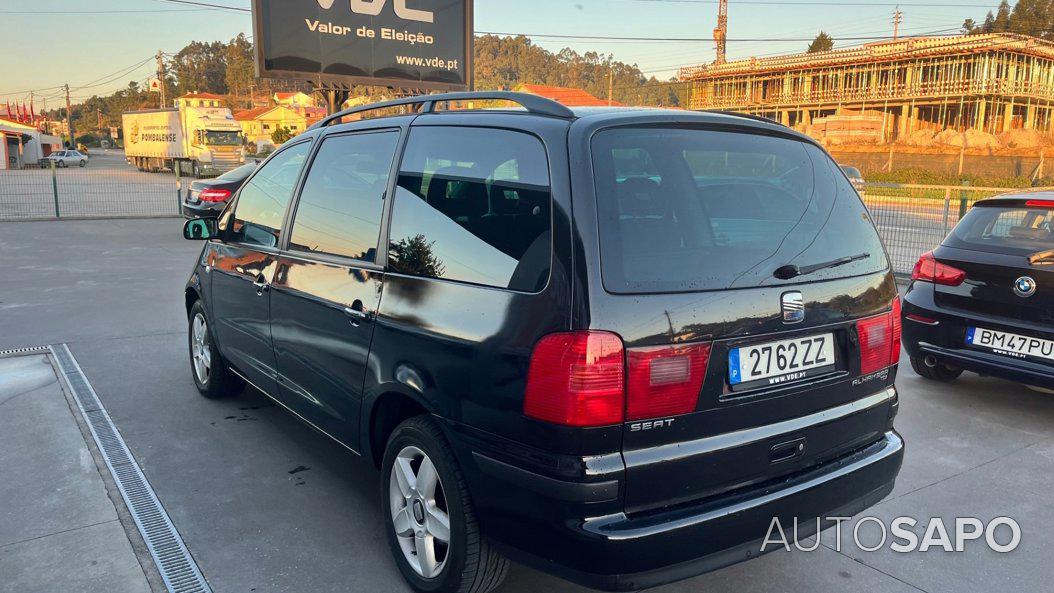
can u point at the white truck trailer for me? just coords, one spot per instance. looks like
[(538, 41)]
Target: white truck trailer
[(200, 139)]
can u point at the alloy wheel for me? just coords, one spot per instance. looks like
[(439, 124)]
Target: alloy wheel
[(200, 353), (420, 514)]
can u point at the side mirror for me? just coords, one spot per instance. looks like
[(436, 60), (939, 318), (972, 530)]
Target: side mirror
[(200, 229)]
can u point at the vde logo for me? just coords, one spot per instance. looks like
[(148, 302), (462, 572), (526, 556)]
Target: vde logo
[(374, 8)]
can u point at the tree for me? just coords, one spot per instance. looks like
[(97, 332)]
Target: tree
[(240, 68), (989, 23), (201, 67), (414, 255), (823, 42), (1002, 17), (970, 27), (281, 135)]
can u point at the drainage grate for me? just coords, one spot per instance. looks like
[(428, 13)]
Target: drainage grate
[(174, 562)]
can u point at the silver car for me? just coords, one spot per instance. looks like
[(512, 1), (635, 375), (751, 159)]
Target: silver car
[(65, 158)]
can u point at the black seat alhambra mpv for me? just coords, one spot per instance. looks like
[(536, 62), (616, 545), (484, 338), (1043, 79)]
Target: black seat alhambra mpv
[(611, 344), (984, 299)]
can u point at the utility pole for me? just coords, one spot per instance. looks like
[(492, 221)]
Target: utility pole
[(161, 75), (898, 17), (69, 118)]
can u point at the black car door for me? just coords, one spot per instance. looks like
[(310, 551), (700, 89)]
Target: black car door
[(328, 282), (243, 265)]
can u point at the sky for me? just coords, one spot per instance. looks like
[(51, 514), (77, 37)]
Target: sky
[(97, 46)]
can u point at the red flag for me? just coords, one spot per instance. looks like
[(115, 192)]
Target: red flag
[(9, 109), (21, 114), (32, 113)]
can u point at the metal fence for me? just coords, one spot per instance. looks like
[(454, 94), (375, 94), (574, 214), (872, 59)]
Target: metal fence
[(107, 187), (913, 219)]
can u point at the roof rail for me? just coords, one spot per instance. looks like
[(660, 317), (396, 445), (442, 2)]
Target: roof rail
[(743, 115), (532, 103)]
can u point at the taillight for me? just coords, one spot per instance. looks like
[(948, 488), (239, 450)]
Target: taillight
[(894, 353), (577, 379), (879, 340), (665, 380), (928, 269), (214, 195), (1040, 203)]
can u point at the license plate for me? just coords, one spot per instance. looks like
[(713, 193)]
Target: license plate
[(782, 361), (1010, 344)]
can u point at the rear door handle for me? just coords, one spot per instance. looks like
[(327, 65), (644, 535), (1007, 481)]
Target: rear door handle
[(357, 312), (261, 286)]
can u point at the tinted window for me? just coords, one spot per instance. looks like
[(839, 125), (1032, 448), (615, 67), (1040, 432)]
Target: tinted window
[(339, 211), (473, 205), (1018, 230), (684, 210), (263, 200)]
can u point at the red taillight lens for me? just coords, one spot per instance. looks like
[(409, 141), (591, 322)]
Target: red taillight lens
[(894, 353), (879, 340), (928, 269), (1040, 203), (665, 380), (577, 379), (214, 195)]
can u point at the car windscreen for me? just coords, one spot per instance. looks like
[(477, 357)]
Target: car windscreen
[(1012, 229), (213, 138), (852, 172), (684, 209)]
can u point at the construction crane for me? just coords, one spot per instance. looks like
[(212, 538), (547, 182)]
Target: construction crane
[(721, 32)]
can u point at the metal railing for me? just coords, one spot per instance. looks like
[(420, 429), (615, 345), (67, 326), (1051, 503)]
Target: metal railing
[(106, 187), (913, 219)]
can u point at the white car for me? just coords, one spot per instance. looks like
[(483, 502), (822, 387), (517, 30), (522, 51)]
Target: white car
[(65, 158)]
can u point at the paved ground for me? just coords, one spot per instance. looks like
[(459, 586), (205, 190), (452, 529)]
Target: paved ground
[(59, 530), (267, 505)]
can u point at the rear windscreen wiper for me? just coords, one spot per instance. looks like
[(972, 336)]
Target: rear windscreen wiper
[(1042, 258), (792, 271)]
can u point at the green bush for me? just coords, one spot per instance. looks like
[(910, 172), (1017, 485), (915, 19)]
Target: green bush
[(925, 177)]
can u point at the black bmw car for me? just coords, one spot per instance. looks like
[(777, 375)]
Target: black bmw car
[(983, 301), (208, 197)]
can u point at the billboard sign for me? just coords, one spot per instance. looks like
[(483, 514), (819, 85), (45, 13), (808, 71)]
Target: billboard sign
[(420, 44)]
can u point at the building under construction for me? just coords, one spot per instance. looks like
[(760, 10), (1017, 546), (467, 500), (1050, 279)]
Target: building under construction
[(993, 83)]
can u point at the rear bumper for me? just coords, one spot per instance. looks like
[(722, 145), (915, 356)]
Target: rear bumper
[(946, 340), (619, 552), (205, 209)]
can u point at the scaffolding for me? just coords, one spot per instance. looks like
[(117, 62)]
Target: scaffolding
[(993, 83)]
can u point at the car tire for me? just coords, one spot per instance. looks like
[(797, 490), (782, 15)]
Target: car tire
[(941, 372), (466, 562), (82, 163), (212, 376)]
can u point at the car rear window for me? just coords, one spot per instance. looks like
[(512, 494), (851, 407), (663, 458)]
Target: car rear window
[(690, 210), (1013, 229)]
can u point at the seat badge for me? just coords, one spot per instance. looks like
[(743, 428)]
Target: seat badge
[(793, 306)]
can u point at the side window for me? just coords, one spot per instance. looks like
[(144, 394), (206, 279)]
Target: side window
[(263, 200), (340, 206), (473, 205)]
